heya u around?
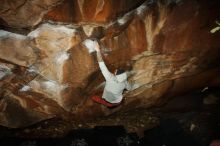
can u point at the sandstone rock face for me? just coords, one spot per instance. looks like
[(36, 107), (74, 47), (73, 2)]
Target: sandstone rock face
[(25, 13), (166, 46), (17, 49), (92, 11)]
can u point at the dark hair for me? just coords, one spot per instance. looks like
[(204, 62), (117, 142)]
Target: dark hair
[(120, 71)]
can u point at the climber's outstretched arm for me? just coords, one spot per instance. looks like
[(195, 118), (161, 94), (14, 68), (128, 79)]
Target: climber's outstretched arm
[(106, 73), (99, 56)]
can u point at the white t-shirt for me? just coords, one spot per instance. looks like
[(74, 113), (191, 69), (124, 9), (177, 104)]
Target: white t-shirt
[(115, 85)]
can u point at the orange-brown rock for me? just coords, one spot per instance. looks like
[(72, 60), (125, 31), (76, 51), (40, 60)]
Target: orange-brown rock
[(25, 13), (17, 49), (166, 46), (92, 11)]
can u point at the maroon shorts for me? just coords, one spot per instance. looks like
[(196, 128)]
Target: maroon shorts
[(102, 101)]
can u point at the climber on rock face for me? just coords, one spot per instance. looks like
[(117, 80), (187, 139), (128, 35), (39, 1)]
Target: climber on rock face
[(115, 83)]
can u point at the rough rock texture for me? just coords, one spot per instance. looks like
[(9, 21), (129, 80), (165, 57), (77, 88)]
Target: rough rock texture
[(92, 11), (24, 13), (166, 46)]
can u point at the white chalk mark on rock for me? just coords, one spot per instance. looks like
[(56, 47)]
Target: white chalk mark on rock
[(61, 57), (122, 21), (90, 45), (53, 86), (10, 34), (25, 88), (141, 9)]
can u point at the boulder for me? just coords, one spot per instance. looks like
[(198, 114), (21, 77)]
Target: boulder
[(165, 46)]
